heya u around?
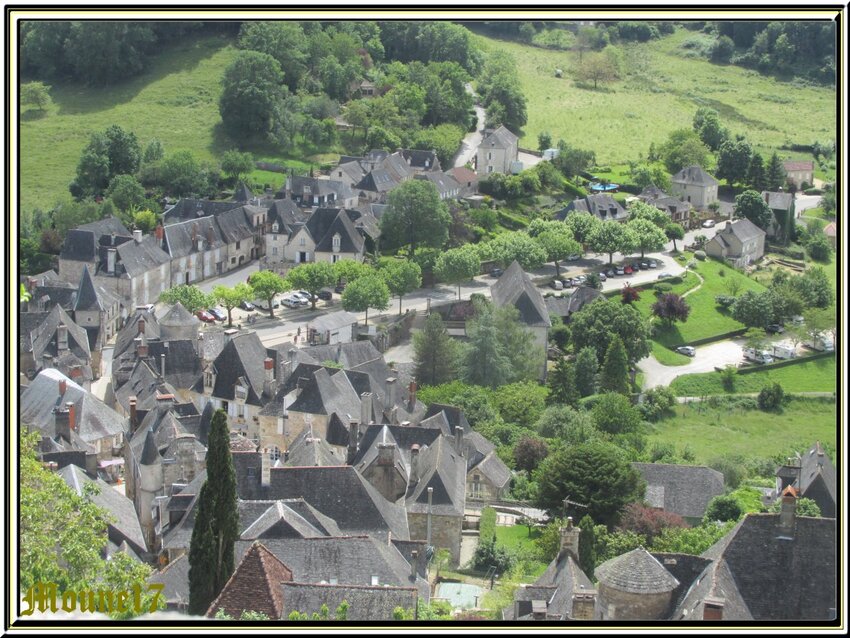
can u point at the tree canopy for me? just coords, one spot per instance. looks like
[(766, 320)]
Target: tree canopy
[(366, 292), (252, 91), (189, 295), (435, 353), (266, 285), (457, 265), (415, 217), (311, 277), (598, 323), (402, 277)]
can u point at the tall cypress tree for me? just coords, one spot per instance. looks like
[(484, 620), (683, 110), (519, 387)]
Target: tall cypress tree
[(587, 366), (615, 369), (436, 353), (562, 384), (757, 176), (216, 522), (587, 545), (775, 173)]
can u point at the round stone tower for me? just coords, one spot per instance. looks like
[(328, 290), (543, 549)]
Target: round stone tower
[(634, 586)]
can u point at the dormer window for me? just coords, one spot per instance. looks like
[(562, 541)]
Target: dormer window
[(336, 240), (240, 392), (303, 242), (274, 227)]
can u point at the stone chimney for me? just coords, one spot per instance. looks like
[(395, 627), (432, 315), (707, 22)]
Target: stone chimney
[(66, 420), (386, 454), (366, 408), (46, 361), (141, 347), (194, 237), (584, 604), (414, 464), (268, 381), (570, 538), (392, 392), (61, 337), (229, 334), (63, 385), (712, 608), (301, 384), (164, 402), (210, 237), (767, 198), (162, 365), (134, 416), (411, 393), (141, 325), (459, 440), (159, 233), (414, 559), (353, 435), (265, 468), (137, 236), (788, 512)]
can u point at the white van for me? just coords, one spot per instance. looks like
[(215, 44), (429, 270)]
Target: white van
[(821, 343), (784, 351), (758, 356)]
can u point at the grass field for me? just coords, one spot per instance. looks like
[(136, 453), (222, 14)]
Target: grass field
[(660, 92), (713, 432), (516, 539), (809, 376)]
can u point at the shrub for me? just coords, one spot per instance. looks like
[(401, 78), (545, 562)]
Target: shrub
[(700, 254), (657, 402), (661, 288), (771, 398), (723, 508), (733, 469), (648, 521), (724, 301), (674, 280), (487, 524), (488, 554), (727, 377)]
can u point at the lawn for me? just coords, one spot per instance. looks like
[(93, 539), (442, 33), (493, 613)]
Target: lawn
[(713, 432), (808, 376), (517, 540), (660, 92)]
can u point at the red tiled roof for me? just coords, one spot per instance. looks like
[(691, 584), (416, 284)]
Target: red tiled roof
[(463, 174), (798, 166), (830, 230)]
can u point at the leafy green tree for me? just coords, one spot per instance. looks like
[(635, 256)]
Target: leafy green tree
[(558, 242), (517, 246), (37, 94), (587, 366), (598, 323), (723, 508), (751, 205), (102, 53), (583, 226), (805, 507), (402, 277), (182, 175), (670, 308), (647, 235), (364, 293), (230, 298), (614, 413), (814, 288), (586, 545), (614, 376), (544, 140), (567, 425), (145, 220), (415, 216), (252, 90), (757, 176), (675, 232), (108, 153), (652, 174), (596, 474), (707, 125), (639, 210), (562, 384), (612, 237), (525, 357), (153, 152), (126, 193), (348, 270), (190, 296), (722, 50), (529, 452), (596, 68), (774, 174), (211, 557), (750, 309), (266, 285), (457, 265), (435, 352), (521, 402), (285, 41), (445, 139), (236, 165), (683, 148), (733, 160), (486, 362), (311, 277), (690, 540)]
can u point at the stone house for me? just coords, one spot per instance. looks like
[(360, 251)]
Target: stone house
[(308, 192), (88, 245), (138, 270), (241, 231), (694, 185), (813, 476), (799, 172), (467, 179), (446, 185), (740, 243), (332, 328), (514, 288), (678, 210), (498, 151), (59, 343), (601, 205), (685, 490), (783, 209), (196, 250), (328, 235), (421, 160), (284, 217), (383, 172)]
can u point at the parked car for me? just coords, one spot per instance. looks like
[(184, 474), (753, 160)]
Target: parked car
[(643, 265), (339, 288), (496, 272), (205, 316), (147, 306), (573, 257), (611, 272), (664, 275), (620, 270), (652, 263), (821, 343), (218, 313), (292, 301), (568, 282), (303, 299), (247, 305), (580, 279), (758, 356), (602, 276), (775, 329), (689, 351), (628, 270), (708, 223), (324, 294), (557, 284), (263, 304)]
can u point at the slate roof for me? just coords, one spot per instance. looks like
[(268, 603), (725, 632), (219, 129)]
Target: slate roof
[(514, 288), (338, 492), (308, 450), (278, 520), (656, 197), (27, 323), (242, 193), (601, 205), (636, 572), (366, 603), (566, 306), (743, 229), (241, 359), (189, 209), (44, 338), (563, 577), (778, 201), (694, 175), (495, 470), (425, 160), (126, 336), (324, 223), (286, 213), (685, 489), (308, 187), (177, 315), (175, 579), (445, 183), (177, 240), (500, 138), (124, 524), (364, 221), (234, 225), (82, 243), (254, 585), (95, 420), (87, 297), (443, 469), (333, 321), (454, 416), (326, 393), (352, 169), (138, 258), (816, 467)]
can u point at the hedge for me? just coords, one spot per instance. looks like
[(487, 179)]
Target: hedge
[(487, 524), (785, 362), (572, 189), (720, 337)]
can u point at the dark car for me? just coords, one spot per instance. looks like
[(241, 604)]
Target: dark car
[(620, 270), (775, 329), (247, 305), (204, 316), (568, 282), (643, 265), (611, 272), (496, 272), (218, 313), (325, 295), (340, 287)]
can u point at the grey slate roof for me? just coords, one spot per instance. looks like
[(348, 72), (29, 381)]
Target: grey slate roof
[(188, 208), (82, 243), (324, 223), (366, 603), (175, 580), (500, 138), (443, 469), (454, 416), (87, 297), (445, 183), (694, 175), (242, 193), (95, 420), (566, 306), (278, 521), (514, 288), (563, 577), (333, 321), (241, 358), (308, 450), (601, 205), (816, 467), (686, 489), (495, 469), (27, 322), (307, 187), (177, 315), (44, 338), (286, 213), (426, 160), (124, 524), (234, 225), (656, 197), (138, 258), (125, 337), (636, 572), (177, 240), (743, 229)]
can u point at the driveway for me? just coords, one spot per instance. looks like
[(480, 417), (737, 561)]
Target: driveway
[(473, 140), (709, 356)]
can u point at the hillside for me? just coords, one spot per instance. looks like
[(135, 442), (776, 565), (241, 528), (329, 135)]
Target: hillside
[(661, 91)]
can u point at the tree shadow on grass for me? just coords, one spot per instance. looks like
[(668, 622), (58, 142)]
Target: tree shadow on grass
[(32, 115)]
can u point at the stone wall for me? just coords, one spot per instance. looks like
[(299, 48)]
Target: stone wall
[(445, 531), (619, 605)]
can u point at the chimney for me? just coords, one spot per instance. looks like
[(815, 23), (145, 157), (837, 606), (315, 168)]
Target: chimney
[(47, 362), (414, 559), (111, 255), (268, 382), (162, 365), (788, 512), (414, 464), (584, 604), (459, 440), (141, 347), (63, 385), (428, 532), (64, 420), (392, 392), (411, 392), (385, 454), (228, 334), (164, 402), (352, 441), (61, 337), (301, 383), (265, 468), (210, 237), (366, 408), (570, 538), (195, 237), (159, 233), (394, 415), (141, 324), (134, 416), (712, 608), (137, 236)]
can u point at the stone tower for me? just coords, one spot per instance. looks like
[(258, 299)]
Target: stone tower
[(149, 487)]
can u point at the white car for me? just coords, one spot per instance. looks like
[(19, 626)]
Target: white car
[(708, 223), (292, 301), (689, 351)]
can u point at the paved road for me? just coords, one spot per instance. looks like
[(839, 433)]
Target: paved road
[(709, 356), (472, 141)]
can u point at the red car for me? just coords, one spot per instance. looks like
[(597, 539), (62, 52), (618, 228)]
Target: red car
[(628, 270), (205, 316)]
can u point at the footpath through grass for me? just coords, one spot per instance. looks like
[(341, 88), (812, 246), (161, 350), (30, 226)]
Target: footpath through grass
[(721, 431), (808, 376)]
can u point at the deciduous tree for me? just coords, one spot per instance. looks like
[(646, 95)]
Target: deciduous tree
[(612, 237), (670, 307), (415, 216), (311, 277), (191, 297), (751, 205), (230, 298), (674, 231), (266, 285), (614, 376), (647, 235), (598, 323), (252, 91), (37, 94), (366, 292), (458, 265), (402, 277)]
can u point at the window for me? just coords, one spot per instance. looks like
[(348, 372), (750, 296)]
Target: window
[(238, 243), (335, 258), (274, 228), (489, 156), (233, 260), (240, 410), (274, 453), (208, 379), (252, 472), (225, 406), (303, 242), (489, 169), (274, 250)]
